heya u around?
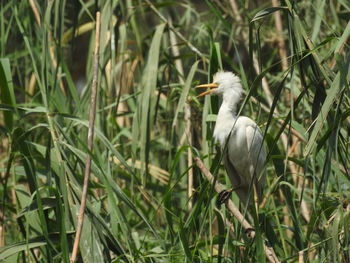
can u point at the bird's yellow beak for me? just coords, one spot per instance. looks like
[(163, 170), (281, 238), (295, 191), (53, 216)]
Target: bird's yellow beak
[(211, 86)]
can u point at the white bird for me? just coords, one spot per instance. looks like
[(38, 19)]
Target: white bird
[(240, 138)]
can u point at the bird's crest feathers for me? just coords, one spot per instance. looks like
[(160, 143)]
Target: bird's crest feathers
[(227, 78), (228, 82)]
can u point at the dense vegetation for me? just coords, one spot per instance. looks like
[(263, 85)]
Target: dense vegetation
[(294, 63)]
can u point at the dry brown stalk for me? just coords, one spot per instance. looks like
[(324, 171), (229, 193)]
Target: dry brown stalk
[(32, 81), (51, 50), (270, 253), (280, 41), (301, 257), (35, 11), (188, 127), (235, 10), (178, 34), (90, 140), (31, 85)]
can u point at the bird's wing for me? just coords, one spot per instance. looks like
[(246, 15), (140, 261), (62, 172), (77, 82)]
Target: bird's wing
[(257, 155), (256, 149), (231, 170)]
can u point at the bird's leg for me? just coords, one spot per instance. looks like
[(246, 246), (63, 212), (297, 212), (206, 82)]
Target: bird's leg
[(250, 232), (224, 195)]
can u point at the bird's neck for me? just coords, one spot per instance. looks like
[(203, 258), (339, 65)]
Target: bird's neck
[(229, 103), (226, 117)]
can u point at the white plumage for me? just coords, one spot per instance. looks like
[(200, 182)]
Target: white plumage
[(240, 138)]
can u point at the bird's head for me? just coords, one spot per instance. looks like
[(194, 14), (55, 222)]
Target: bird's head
[(223, 82)]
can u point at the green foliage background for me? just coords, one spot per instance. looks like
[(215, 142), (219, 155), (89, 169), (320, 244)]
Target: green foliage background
[(150, 125)]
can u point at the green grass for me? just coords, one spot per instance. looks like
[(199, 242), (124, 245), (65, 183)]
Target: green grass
[(137, 208)]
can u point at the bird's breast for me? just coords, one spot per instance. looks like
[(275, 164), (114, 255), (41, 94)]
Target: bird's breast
[(223, 128)]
